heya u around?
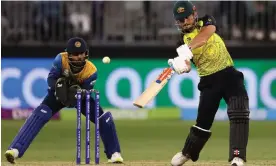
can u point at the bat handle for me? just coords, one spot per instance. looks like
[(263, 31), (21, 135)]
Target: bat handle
[(170, 63), (171, 66)]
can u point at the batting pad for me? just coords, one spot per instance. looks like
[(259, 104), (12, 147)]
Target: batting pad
[(238, 112), (109, 135), (195, 142), (32, 126)]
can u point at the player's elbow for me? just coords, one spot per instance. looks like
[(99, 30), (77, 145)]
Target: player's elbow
[(206, 33)]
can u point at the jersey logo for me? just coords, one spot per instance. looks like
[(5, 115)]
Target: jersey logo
[(92, 82), (59, 85), (54, 66), (80, 80), (209, 21), (43, 111), (189, 40), (180, 10), (66, 73)]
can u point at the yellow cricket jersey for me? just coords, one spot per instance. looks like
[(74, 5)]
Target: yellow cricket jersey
[(212, 56), (86, 73)]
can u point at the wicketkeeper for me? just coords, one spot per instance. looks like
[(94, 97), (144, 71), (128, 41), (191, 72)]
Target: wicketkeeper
[(71, 71), (201, 45)]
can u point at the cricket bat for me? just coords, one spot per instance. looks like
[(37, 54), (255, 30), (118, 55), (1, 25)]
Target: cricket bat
[(154, 88)]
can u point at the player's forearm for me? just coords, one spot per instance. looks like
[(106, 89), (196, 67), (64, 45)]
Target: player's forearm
[(203, 36), (52, 78), (197, 42), (51, 83)]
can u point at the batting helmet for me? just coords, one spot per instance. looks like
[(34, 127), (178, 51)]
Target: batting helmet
[(183, 9)]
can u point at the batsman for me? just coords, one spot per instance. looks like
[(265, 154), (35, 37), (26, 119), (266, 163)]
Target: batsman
[(70, 72), (201, 45)]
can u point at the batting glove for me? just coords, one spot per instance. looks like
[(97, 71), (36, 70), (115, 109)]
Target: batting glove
[(185, 52), (178, 64)]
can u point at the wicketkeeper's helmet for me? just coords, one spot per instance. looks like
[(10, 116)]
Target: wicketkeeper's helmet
[(76, 46)]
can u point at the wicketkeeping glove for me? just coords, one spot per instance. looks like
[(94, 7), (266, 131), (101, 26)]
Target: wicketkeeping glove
[(72, 98), (71, 79), (61, 89), (65, 94)]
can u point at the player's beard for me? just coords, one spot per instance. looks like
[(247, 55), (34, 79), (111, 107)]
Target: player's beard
[(76, 66), (186, 28)]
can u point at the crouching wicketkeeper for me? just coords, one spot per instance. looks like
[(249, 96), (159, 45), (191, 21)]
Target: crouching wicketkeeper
[(70, 71)]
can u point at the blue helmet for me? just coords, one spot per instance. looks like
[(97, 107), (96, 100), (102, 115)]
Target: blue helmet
[(76, 46)]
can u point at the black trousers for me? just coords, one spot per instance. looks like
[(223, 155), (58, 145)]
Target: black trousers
[(223, 84)]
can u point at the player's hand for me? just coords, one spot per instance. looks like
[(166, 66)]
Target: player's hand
[(71, 79), (184, 52), (179, 65)]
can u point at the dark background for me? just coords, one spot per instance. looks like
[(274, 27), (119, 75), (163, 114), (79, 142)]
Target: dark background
[(237, 52), (122, 29)]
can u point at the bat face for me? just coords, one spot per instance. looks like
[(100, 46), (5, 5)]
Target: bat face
[(154, 88)]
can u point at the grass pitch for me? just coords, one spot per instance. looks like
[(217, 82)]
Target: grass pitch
[(145, 163), (143, 143)]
